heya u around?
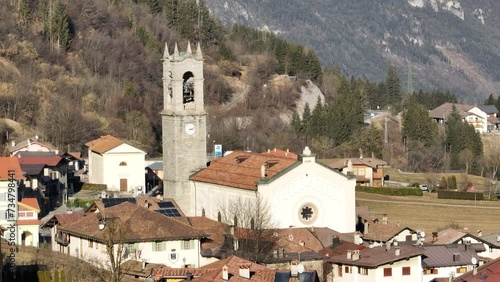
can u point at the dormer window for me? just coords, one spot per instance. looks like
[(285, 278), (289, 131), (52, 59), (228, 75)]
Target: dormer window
[(240, 159), (123, 164), (271, 163)]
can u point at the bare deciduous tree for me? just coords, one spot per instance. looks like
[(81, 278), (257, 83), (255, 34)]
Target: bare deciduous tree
[(252, 228)]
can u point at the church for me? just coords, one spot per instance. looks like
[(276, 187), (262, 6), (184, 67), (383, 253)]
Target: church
[(299, 191)]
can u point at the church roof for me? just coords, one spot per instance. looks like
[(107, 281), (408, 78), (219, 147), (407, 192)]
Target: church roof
[(104, 144), (243, 169)]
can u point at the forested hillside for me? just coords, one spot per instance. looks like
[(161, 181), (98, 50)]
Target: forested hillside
[(450, 45), (73, 70)]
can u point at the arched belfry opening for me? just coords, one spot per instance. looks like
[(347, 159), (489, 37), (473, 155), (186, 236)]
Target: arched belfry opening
[(188, 87)]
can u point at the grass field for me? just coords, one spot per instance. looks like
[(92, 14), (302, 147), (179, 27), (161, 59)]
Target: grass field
[(480, 183), (430, 214)]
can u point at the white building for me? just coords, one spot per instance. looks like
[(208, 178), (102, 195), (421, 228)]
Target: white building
[(28, 223), (114, 163), (145, 235), (398, 263), (299, 193), (11, 177)]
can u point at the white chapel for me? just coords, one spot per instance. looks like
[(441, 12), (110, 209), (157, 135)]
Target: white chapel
[(299, 191)]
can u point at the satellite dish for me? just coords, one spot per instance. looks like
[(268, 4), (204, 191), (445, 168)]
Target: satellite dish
[(300, 268), (360, 241), (473, 260), (422, 234)]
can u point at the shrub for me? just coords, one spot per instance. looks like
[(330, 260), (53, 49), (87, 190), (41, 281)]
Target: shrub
[(390, 191), (460, 195), (94, 187)]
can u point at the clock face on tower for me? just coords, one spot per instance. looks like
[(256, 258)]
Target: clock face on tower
[(189, 128)]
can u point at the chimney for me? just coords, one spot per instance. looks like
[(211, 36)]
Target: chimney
[(275, 150), (101, 225), (456, 257), (269, 150), (498, 238), (397, 251), (263, 171), (357, 236), (384, 219), (387, 246), (349, 254), (13, 143), (189, 276), (143, 265), (244, 270), (225, 273), (434, 236), (479, 233), (335, 242), (294, 268), (355, 255), (366, 225)]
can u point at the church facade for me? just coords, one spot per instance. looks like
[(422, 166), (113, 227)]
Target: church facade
[(299, 192)]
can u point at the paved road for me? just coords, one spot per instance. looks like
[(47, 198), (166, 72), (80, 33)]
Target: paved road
[(428, 204)]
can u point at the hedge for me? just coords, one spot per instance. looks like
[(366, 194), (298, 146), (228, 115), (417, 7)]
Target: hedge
[(390, 191), (94, 187), (460, 195)]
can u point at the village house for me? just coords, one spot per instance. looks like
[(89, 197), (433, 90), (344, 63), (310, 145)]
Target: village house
[(28, 223), (379, 232), (117, 164), (392, 262), (30, 145), (488, 272), (368, 171), (483, 118), (8, 215), (139, 234), (445, 261)]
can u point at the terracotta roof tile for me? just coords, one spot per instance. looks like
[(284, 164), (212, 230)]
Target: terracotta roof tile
[(29, 222), (140, 224), (10, 163), (68, 218), (104, 144), (214, 229), (242, 169), (31, 202), (135, 268), (213, 271), (281, 153), (488, 272)]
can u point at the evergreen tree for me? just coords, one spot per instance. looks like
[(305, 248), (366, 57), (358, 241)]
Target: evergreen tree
[(60, 27), (490, 101), (318, 125), (393, 88), (306, 122), (154, 6), (296, 123), (418, 128)]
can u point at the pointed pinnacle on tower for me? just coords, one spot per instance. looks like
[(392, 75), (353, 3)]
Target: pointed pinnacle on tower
[(166, 54), (176, 52), (189, 53), (198, 51)]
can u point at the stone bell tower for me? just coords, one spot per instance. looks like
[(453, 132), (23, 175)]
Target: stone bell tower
[(183, 124)]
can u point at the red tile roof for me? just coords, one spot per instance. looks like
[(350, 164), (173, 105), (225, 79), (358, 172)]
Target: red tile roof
[(488, 272), (260, 272), (242, 169), (10, 163), (51, 161), (214, 229), (68, 218), (140, 225), (31, 202), (281, 153), (380, 232), (446, 236), (104, 144), (29, 222)]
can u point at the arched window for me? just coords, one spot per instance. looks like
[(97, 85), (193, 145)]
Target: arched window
[(188, 87), (123, 164)]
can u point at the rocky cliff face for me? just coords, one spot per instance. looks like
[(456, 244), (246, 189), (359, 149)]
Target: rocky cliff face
[(447, 44)]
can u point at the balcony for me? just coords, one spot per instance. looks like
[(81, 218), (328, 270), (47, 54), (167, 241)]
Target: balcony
[(62, 238)]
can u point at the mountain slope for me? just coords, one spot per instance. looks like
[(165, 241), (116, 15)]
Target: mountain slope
[(451, 45)]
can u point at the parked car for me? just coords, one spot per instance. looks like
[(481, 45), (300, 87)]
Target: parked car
[(424, 187)]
